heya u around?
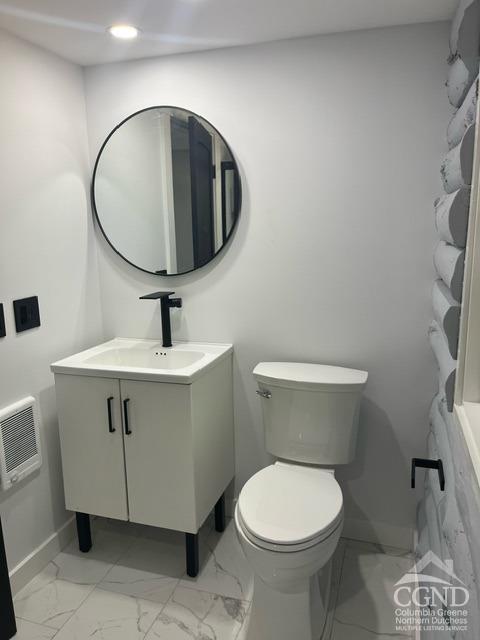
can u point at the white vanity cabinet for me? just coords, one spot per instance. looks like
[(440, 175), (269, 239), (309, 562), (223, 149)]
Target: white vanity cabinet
[(156, 453)]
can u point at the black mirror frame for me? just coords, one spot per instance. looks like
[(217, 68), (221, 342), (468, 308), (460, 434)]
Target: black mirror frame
[(94, 204)]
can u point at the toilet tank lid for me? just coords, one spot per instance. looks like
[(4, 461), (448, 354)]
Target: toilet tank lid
[(310, 376)]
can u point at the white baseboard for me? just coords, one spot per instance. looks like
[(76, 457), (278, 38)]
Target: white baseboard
[(41, 556), (381, 533)]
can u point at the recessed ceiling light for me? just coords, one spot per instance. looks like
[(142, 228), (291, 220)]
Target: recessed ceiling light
[(123, 31)]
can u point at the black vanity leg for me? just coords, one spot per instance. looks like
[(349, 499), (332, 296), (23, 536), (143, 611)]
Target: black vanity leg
[(193, 564), (220, 514), (8, 627), (84, 532)]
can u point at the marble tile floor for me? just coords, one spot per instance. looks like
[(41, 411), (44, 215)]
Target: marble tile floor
[(132, 586)]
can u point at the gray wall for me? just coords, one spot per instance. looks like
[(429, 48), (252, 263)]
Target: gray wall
[(46, 249), (338, 139)]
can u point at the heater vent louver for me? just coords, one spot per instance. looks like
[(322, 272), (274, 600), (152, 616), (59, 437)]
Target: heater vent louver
[(19, 442)]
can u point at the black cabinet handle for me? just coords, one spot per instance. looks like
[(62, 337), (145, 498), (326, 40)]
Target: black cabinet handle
[(125, 416), (428, 464), (111, 428)]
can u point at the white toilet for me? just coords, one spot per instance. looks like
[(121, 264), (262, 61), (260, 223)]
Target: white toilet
[(289, 516)]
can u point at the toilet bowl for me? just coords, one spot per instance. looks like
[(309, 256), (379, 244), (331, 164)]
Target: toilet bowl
[(289, 516), (288, 520)]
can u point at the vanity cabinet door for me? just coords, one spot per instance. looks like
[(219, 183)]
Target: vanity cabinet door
[(92, 445), (159, 454)]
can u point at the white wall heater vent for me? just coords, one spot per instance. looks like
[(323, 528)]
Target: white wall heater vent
[(19, 442)]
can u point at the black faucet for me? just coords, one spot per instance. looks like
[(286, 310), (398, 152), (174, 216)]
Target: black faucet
[(166, 303)]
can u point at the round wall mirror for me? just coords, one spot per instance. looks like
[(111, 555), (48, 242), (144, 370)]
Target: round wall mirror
[(166, 190)]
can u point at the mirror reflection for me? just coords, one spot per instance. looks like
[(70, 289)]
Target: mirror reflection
[(166, 190)]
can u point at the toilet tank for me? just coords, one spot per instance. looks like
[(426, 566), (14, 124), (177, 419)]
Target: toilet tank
[(310, 411)]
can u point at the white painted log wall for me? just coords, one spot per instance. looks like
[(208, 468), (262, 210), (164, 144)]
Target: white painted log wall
[(465, 31), (446, 364), (451, 216), (432, 523), (459, 81), (438, 496), (423, 540), (449, 263), (440, 437), (464, 50), (446, 312), (457, 524), (441, 526), (449, 522), (467, 497), (456, 169), (464, 117)]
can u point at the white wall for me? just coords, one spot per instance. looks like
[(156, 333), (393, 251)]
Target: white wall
[(46, 249), (339, 139)]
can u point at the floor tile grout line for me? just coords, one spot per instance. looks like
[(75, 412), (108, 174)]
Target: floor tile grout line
[(370, 631), (214, 593), (76, 609), (160, 612), (339, 583), (135, 539), (95, 585), (86, 557), (158, 575), (386, 550), (97, 588), (58, 629), (39, 623)]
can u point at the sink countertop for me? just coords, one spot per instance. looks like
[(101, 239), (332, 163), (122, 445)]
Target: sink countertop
[(137, 359)]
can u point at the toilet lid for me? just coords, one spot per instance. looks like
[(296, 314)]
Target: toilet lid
[(290, 504)]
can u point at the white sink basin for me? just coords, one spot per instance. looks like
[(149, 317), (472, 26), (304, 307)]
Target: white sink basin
[(149, 358), (144, 360)]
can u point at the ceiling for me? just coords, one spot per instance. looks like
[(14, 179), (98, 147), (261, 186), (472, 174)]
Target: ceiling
[(75, 29)]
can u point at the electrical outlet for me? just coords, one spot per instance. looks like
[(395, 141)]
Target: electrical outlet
[(27, 313)]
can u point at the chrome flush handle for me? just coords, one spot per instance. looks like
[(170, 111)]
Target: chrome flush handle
[(263, 394)]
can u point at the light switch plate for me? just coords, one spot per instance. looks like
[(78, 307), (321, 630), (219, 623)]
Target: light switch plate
[(27, 313)]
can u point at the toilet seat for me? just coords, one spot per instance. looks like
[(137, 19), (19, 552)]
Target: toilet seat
[(284, 548), (289, 507)]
